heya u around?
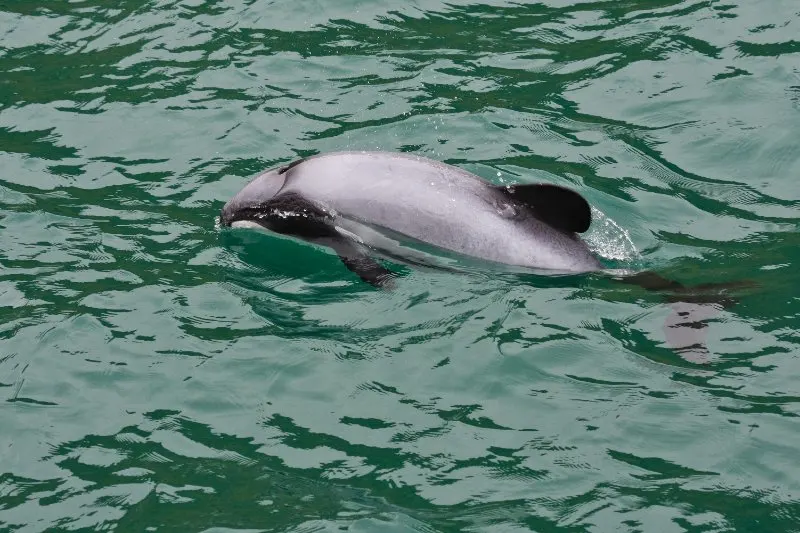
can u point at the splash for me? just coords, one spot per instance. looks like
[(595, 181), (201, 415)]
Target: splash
[(609, 240)]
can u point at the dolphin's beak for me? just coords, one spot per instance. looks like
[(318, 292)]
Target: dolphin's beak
[(226, 215), (247, 201), (236, 212), (233, 211)]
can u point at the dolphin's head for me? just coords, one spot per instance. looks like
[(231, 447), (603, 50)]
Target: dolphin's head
[(252, 200)]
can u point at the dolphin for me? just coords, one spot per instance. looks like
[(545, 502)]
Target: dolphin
[(355, 201)]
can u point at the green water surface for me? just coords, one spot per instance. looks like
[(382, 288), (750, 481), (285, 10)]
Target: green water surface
[(158, 374)]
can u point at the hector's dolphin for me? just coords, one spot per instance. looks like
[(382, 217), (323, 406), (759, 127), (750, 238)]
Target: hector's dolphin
[(345, 200), (352, 202)]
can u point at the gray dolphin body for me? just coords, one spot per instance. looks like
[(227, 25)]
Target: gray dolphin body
[(346, 200)]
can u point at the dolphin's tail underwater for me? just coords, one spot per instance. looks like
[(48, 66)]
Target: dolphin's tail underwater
[(686, 328), (714, 293)]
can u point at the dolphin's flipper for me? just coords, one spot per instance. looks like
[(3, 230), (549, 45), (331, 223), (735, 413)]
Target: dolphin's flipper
[(557, 206), (292, 214), (363, 265)]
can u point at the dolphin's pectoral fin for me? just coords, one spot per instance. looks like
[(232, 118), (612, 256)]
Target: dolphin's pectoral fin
[(357, 261), (364, 266), (291, 214), (562, 208)]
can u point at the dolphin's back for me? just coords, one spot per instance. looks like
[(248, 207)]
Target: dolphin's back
[(437, 204)]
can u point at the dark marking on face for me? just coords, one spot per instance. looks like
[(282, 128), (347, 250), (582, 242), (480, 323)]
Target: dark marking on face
[(290, 214)]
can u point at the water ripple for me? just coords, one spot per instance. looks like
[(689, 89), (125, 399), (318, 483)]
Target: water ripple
[(160, 373)]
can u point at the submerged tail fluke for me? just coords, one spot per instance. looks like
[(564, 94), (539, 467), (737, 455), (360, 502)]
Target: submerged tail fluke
[(686, 328)]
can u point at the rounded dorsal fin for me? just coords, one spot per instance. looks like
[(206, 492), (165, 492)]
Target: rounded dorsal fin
[(557, 206)]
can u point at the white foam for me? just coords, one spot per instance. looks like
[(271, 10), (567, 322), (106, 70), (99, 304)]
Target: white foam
[(607, 239)]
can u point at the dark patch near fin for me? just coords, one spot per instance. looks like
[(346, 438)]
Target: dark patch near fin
[(558, 206)]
